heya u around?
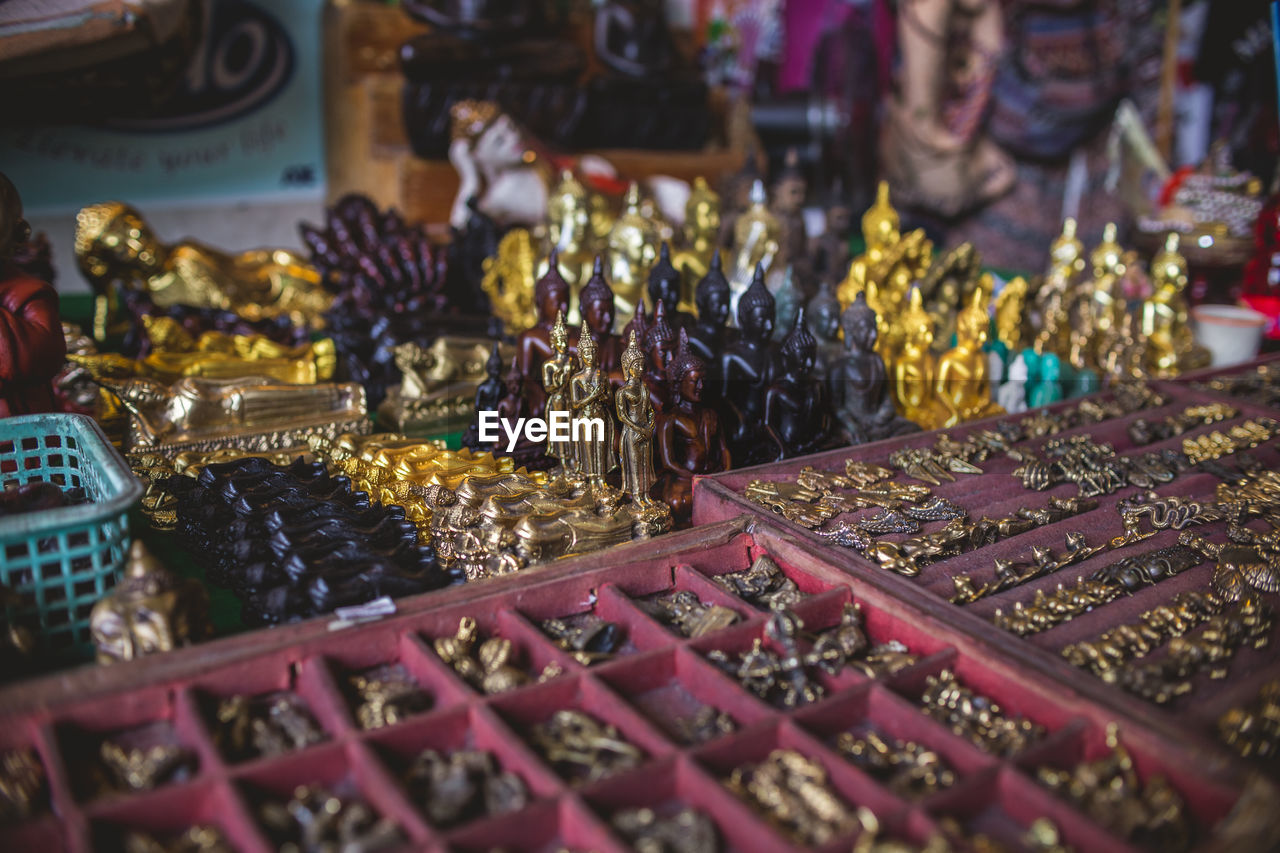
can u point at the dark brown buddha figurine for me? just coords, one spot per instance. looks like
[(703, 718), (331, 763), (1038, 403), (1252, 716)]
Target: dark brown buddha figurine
[(859, 383), (595, 304), (712, 298), (747, 368), (689, 441), (665, 285), (639, 324), (796, 416), (533, 346), (659, 344)]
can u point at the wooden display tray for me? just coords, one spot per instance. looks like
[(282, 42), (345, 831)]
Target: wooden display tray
[(997, 494), (656, 676)]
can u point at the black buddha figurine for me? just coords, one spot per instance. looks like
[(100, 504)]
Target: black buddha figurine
[(471, 245), (595, 303), (796, 416), (665, 285), (823, 317), (488, 394), (712, 298), (747, 368), (859, 383)]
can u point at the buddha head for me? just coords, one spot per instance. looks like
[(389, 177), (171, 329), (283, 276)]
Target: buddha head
[(880, 224), (701, 214), (664, 280), (790, 187), (595, 302), (149, 611), (712, 295), (632, 361), (823, 311), (113, 239), (551, 292), (800, 349), (686, 373), (587, 353), (560, 335), (660, 340), (757, 309), (859, 323), (569, 214), (493, 140)]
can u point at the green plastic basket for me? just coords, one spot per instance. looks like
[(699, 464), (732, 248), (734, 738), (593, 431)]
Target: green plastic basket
[(61, 561)]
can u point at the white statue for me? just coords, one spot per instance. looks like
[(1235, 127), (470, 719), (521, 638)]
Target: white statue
[(1012, 395)]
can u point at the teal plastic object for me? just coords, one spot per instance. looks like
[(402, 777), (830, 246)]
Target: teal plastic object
[(61, 561)]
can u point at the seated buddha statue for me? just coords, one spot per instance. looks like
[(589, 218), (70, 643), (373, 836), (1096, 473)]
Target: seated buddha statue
[(113, 243), (914, 371), (701, 231), (881, 232), (632, 249), (757, 239), (569, 231), (796, 416), (194, 407), (962, 383), (859, 382), (688, 438)]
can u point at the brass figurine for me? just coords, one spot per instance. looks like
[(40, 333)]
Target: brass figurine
[(250, 412), (557, 375), (589, 393), (113, 243), (149, 611)]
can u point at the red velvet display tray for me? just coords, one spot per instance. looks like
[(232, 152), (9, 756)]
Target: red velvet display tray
[(996, 493), (658, 676)]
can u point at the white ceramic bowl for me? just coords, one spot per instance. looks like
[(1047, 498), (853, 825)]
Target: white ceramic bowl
[(1231, 333)]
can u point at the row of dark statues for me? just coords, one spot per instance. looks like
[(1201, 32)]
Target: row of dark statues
[(295, 542), (733, 395)]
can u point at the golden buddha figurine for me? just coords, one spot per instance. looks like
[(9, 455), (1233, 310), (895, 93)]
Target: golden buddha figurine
[(632, 249), (756, 241), (557, 372), (962, 383), (880, 231), (508, 281), (701, 231), (1164, 315), (114, 243), (149, 611), (215, 355), (570, 231), (1066, 252), (1011, 304), (198, 409), (914, 388), (589, 392), (637, 419)]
